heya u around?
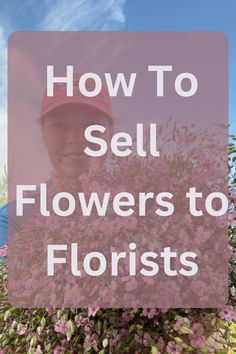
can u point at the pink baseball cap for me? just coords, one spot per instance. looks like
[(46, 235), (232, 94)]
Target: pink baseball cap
[(101, 102)]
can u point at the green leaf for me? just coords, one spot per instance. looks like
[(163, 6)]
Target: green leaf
[(185, 330), (178, 340), (213, 322), (132, 327), (39, 330), (71, 328), (220, 341), (11, 332), (105, 343), (19, 326), (153, 350), (59, 313), (223, 326), (33, 341), (30, 351), (136, 310), (43, 321)]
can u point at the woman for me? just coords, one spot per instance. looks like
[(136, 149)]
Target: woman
[(63, 121)]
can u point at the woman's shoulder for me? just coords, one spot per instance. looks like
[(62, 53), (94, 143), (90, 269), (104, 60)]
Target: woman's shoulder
[(3, 209), (9, 221)]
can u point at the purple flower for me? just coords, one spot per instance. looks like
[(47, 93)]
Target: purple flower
[(22, 330), (92, 311), (196, 337), (3, 251), (227, 313), (150, 313), (173, 348)]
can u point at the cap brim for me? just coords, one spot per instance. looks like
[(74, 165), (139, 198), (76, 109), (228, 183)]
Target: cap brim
[(73, 102)]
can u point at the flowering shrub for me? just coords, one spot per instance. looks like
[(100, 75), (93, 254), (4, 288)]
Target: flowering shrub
[(136, 330)]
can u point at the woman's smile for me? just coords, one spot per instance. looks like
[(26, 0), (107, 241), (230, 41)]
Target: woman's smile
[(63, 132)]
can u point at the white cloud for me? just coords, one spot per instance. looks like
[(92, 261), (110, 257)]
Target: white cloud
[(85, 15), (61, 15)]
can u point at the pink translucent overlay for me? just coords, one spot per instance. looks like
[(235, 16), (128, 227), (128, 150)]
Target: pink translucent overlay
[(46, 145)]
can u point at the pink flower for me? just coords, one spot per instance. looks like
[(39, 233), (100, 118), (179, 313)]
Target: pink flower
[(52, 223), (196, 336), (149, 280), (233, 195), (164, 309), (233, 223), (58, 350), (160, 344), (3, 251), (180, 323), (146, 339), (130, 223), (127, 316), (92, 341), (232, 215), (233, 254), (199, 287), (173, 348), (117, 224), (38, 350), (92, 311), (149, 313), (131, 285), (22, 330), (80, 320), (203, 234), (49, 310), (39, 222), (60, 327), (227, 313)]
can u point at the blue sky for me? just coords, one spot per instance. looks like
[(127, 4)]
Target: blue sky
[(152, 15), (187, 15)]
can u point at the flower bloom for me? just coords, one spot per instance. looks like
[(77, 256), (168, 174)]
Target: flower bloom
[(3, 251), (227, 313), (196, 337), (160, 344), (60, 327), (146, 339), (233, 195), (150, 313), (173, 348), (58, 349), (180, 323), (233, 254), (22, 330), (38, 350), (92, 311)]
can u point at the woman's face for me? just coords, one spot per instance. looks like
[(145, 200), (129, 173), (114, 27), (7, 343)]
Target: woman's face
[(63, 132)]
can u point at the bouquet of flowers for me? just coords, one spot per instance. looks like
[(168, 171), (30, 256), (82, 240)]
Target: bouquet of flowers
[(125, 330)]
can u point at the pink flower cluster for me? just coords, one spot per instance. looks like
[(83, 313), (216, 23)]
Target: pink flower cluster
[(196, 337), (228, 313)]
